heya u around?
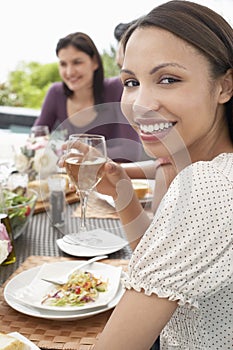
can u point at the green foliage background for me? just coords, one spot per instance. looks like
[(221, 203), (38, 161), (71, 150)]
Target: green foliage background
[(28, 84)]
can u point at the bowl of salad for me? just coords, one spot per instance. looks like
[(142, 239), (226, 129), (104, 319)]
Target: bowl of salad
[(20, 208)]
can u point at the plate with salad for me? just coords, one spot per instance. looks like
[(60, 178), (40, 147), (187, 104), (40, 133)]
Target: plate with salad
[(86, 289), (26, 277)]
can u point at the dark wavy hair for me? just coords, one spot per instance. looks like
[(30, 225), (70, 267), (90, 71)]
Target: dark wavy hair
[(201, 27), (121, 28), (84, 43)]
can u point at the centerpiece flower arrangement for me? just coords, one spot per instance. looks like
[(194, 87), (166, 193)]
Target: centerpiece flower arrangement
[(5, 243), (38, 157)]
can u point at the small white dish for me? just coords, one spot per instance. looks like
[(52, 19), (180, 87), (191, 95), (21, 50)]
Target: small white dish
[(25, 278), (97, 239), (106, 243), (33, 293)]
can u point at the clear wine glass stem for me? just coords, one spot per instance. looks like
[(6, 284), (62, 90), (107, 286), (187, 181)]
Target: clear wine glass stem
[(83, 203)]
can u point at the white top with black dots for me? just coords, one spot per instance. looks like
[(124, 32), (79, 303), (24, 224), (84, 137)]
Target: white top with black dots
[(186, 255)]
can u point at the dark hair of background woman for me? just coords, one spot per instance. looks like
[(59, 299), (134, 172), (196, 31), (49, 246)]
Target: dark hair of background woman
[(203, 28), (84, 43)]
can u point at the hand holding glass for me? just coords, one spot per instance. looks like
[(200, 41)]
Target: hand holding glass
[(84, 163)]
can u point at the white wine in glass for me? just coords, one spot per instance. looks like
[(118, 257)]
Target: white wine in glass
[(85, 159)]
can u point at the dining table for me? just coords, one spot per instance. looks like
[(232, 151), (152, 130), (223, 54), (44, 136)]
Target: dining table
[(38, 245)]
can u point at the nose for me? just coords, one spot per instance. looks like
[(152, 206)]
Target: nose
[(145, 101), (69, 70)]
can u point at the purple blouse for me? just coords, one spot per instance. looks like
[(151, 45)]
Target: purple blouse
[(123, 143)]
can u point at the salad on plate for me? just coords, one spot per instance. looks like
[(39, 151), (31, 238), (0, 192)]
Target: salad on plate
[(90, 288), (81, 288)]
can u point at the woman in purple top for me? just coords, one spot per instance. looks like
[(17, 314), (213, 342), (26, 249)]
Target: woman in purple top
[(86, 102)]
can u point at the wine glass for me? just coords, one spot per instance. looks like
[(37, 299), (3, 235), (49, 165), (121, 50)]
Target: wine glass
[(85, 158), (39, 131)]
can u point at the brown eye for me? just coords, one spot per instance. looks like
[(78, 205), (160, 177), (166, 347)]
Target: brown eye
[(62, 64), (131, 83), (169, 80)]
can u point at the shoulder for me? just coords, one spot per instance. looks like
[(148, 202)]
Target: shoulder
[(55, 94), (202, 187), (56, 89), (112, 89), (204, 174), (224, 165)]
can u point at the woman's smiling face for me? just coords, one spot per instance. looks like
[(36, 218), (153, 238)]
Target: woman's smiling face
[(169, 96)]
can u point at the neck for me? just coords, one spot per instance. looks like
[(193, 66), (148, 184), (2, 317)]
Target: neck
[(79, 101), (83, 94), (209, 150)]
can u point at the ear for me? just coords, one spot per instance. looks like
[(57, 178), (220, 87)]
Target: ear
[(226, 87)]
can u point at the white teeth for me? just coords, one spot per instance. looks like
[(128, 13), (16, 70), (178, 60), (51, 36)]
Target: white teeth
[(155, 127)]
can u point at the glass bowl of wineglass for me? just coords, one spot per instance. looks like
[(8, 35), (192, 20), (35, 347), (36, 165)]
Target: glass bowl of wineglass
[(39, 131), (85, 158)]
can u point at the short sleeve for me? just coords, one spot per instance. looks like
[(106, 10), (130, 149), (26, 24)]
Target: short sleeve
[(186, 253)]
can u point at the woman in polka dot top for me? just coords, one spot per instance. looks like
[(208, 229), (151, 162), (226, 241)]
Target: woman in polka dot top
[(178, 85)]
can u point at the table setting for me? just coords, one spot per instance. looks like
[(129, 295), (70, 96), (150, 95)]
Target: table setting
[(37, 172), (45, 251), (53, 330), (26, 291)]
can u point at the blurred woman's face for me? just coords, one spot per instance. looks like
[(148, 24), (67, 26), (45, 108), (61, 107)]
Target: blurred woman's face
[(76, 68), (169, 96)]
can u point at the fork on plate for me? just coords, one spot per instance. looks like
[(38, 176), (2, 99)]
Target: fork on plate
[(64, 279)]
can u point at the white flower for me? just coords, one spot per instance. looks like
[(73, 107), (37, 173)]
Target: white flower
[(21, 162), (45, 162), (3, 250)]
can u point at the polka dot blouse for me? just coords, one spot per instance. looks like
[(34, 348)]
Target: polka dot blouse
[(186, 255)]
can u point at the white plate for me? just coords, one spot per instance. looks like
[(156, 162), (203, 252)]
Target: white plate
[(96, 239), (33, 293), (25, 278), (86, 251)]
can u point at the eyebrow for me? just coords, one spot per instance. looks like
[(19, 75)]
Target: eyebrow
[(126, 71), (157, 68), (163, 65)]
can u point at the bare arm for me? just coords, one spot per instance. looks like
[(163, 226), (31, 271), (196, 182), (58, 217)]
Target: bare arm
[(117, 184), (133, 217), (136, 322)]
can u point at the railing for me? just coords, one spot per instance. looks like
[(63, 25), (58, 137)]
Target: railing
[(17, 119)]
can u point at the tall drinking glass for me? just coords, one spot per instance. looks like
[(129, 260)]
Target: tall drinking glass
[(39, 131), (85, 159)]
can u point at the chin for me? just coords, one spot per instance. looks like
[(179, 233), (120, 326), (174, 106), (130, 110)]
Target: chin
[(156, 151)]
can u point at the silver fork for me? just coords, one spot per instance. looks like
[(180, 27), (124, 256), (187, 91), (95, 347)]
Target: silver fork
[(64, 279)]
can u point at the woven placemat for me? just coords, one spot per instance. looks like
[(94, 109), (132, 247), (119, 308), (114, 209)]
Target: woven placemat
[(51, 334)]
